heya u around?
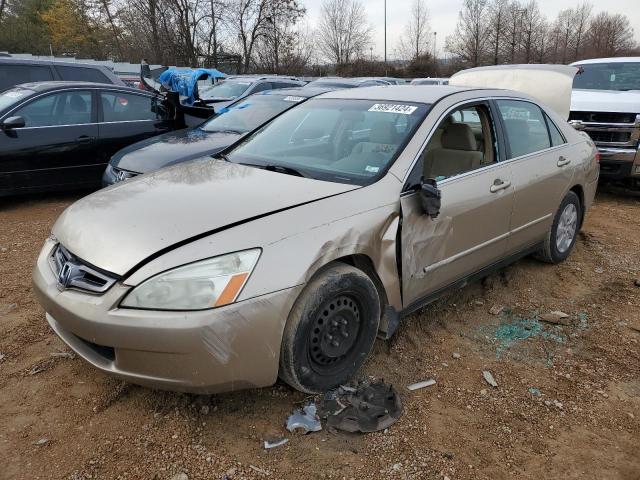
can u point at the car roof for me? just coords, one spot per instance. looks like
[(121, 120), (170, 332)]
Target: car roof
[(32, 61), (261, 77), (608, 60), (306, 92), (398, 93), (49, 86)]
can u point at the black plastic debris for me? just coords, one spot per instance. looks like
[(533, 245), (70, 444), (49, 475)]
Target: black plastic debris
[(368, 408)]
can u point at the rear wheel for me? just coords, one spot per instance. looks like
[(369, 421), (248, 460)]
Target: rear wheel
[(563, 233), (330, 330)]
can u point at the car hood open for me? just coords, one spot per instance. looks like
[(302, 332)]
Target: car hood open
[(171, 148), (117, 228)]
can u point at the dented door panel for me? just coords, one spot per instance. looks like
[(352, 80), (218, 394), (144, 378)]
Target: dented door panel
[(470, 232)]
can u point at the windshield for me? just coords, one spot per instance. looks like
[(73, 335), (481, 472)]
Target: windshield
[(344, 141), (620, 76), (226, 89), (250, 113), (12, 96)]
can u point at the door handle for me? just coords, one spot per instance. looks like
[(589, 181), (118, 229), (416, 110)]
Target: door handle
[(498, 185), (84, 139), (562, 161)]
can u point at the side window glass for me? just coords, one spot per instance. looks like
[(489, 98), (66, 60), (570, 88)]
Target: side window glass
[(66, 108), (464, 141), (556, 136), (127, 107), (16, 74), (525, 127), (82, 74)]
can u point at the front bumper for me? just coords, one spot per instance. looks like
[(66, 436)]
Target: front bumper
[(228, 348), (618, 164)]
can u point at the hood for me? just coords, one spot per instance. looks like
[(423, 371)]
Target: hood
[(171, 148), (549, 84), (605, 101), (120, 226)]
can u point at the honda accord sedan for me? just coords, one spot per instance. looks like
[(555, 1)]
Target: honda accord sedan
[(213, 136), (290, 254)]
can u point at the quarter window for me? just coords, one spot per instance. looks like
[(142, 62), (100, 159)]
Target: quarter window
[(525, 127), (127, 107), (65, 108), (556, 136)]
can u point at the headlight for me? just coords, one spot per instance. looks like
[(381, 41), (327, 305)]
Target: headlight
[(205, 284)]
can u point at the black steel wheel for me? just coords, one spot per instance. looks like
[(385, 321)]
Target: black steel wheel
[(330, 330)]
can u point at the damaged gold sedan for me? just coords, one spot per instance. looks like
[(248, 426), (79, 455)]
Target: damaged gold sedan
[(290, 253)]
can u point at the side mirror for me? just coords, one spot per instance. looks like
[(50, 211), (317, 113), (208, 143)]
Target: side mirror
[(430, 197), (12, 122)]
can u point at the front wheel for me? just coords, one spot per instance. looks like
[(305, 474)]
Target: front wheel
[(563, 233), (330, 330)]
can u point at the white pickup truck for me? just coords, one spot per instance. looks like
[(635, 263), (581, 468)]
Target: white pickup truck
[(606, 104)]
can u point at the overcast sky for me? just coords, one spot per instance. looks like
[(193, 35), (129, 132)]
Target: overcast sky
[(444, 15)]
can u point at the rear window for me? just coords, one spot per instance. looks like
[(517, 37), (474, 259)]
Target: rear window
[(11, 75), (82, 74), (525, 127)]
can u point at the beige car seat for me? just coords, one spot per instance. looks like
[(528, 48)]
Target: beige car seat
[(458, 153), (382, 139)]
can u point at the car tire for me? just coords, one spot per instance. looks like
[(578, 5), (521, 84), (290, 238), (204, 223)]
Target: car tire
[(563, 233), (330, 330)]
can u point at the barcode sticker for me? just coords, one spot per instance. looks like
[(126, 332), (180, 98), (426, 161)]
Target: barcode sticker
[(392, 108)]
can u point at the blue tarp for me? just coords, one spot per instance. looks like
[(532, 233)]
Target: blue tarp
[(185, 81)]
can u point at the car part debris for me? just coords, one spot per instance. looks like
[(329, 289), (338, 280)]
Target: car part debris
[(372, 407), (307, 419), (535, 391), (42, 441), (556, 317), (276, 443), (419, 385), (456, 355), (489, 378), (496, 310)]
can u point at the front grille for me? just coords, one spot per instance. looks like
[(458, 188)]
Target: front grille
[(609, 137), (71, 272), (603, 117)]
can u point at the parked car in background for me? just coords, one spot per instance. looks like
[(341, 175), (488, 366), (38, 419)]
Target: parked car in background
[(287, 255), (61, 135), (430, 81), (223, 93), (14, 71), (606, 105), (226, 128), (340, 82)]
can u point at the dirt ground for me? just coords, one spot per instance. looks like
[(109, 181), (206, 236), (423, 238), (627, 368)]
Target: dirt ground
[(567, 403)]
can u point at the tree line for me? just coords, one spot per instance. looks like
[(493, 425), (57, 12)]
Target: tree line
[(493, 32), (274, 36)]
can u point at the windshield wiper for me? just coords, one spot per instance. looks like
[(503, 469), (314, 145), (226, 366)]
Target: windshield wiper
[(284, 169), (221, 156)]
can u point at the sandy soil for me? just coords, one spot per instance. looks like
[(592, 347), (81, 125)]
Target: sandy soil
[(567, 403)]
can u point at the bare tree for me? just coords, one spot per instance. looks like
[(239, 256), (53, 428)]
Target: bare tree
[(343, 32), (610, 35), (417, 40), (498, 13), (581, 20), (470, 41)]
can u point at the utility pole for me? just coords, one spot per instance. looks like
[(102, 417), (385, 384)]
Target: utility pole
[(385, 32), (435, 46)]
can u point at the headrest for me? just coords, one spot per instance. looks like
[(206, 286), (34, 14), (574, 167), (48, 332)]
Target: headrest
[(458, 136), (77, 103), (382, 132)]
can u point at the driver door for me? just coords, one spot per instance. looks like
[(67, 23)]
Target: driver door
[(471, 231)]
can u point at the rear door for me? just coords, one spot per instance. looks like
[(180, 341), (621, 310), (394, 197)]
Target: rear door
[(465, 156), (56, 146), (126, 118), (541, 162)]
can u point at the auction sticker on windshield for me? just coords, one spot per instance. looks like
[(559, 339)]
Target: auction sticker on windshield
[(391, 108), (293, 98)]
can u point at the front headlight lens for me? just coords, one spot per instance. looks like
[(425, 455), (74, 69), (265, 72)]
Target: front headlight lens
[(206, 284)]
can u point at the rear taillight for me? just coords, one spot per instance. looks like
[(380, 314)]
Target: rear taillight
[(597, 157)]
